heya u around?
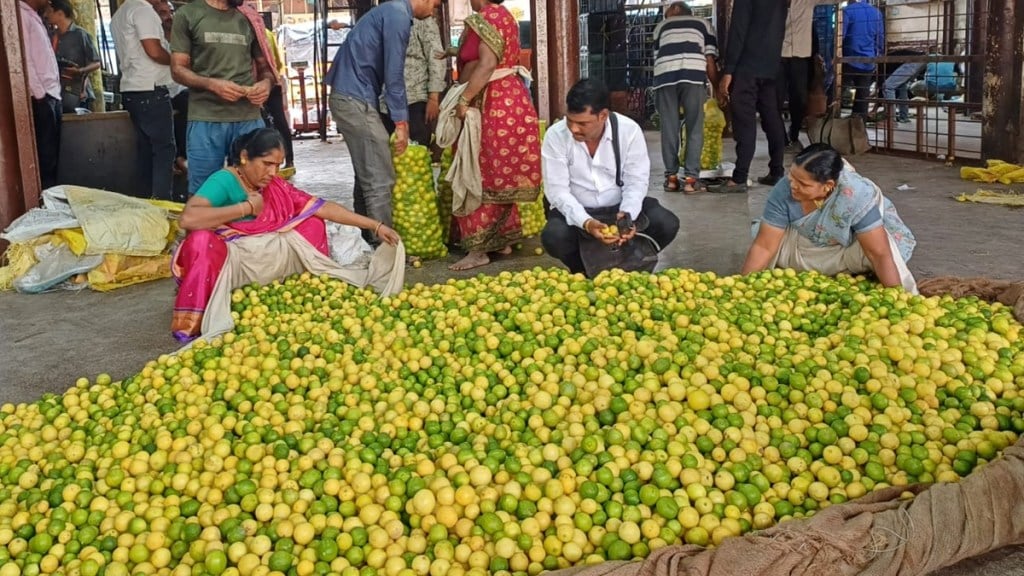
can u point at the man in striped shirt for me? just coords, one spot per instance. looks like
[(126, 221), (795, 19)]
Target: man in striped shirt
[(685, 61)]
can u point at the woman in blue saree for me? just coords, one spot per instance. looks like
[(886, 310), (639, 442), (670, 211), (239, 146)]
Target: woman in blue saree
[(828, 218)]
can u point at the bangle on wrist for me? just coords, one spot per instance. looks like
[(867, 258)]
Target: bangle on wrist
[(377, 228), (463, 101), (252, 207)]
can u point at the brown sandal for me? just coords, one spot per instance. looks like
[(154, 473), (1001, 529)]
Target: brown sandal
[(691, 186), (671, 183)]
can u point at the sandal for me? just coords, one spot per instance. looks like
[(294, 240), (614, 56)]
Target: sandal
[(691, 185), (671, 183)]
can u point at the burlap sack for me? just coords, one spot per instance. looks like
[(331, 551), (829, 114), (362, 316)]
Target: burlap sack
[(881, 534), (1006, 292)]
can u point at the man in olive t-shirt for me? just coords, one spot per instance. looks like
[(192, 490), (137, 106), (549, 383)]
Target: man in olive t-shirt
[(214, 52)]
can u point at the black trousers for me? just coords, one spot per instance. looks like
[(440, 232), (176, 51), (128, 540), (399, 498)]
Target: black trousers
[(794, 79), (153, 119), (749, 98), (562, 240), (860, 80), (46, 119), (419, 131), (180, 106), (275, 109)]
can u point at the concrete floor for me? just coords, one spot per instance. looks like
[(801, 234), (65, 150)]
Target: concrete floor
[(50, 340)]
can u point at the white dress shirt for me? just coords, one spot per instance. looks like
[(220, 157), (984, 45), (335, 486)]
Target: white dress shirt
[(800, 28), (575, 181), (135, 21), (41, 63)]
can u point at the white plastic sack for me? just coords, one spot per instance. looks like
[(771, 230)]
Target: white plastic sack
[(118, 224), (56, 263), (346, 244), (38, 222)]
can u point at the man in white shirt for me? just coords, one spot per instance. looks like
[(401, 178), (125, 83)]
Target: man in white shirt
[(582, 175), (44, 88), (145, 74)]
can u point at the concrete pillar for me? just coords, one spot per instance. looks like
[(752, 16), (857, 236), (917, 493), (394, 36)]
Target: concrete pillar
[(539, 60), (85, 16), (19, 173), (563, 53), (1003, 90)]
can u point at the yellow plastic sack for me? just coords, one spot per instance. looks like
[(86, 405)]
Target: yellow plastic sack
[(531, 214), (414, 204), (993, 197), (118, 271), (994, 171), (74, 238), (714, 125), (20, 258), (118, 224)]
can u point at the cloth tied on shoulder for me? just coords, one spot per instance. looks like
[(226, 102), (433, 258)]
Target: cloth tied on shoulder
[(464, 174)]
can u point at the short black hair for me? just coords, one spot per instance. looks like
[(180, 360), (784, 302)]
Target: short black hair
[(63, 6), (255, 144), (588, 93), (821, 161)]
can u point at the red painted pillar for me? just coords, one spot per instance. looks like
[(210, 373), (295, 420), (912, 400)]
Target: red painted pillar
[(19, 172)]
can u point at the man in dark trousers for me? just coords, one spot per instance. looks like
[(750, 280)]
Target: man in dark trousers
[(752, 58), (44, 88)]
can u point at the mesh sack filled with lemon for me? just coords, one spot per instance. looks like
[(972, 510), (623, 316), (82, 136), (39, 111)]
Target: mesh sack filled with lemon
[(532, 213), (714, 126), (414, 204), (444, 195)]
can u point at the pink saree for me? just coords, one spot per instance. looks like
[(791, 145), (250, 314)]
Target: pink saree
[(199, 259)]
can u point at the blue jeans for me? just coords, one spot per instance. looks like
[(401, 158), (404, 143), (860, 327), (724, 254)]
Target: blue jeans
[(897, 86), (208, 146)]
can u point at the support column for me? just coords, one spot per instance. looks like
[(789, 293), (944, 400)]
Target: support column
[(563, 51), (976, 43), (19, 174), (539, 60), (1001, 106)]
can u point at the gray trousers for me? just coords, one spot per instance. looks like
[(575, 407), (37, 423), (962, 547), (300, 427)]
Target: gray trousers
[(369, 148), (691, 98)]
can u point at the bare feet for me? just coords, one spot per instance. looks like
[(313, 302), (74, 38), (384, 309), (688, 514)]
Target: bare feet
[(472, 260), (505, 251)]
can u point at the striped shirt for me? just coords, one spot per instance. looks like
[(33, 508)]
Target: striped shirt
[(682, 45)]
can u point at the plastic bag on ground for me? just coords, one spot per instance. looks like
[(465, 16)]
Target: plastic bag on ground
[(38, 222), (55, 264), (118, 271), (714, 125), (414, 204), (118, 224)]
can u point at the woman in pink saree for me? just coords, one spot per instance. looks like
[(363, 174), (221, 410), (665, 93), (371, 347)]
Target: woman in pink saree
[(245, 199)]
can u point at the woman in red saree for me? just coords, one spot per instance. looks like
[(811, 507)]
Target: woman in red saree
[(509, 143), (245, 199)]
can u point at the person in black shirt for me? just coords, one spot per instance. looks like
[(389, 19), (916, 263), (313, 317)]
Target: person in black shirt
[(752, 59)]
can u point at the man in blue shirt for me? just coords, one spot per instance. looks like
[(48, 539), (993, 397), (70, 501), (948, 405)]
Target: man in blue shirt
[(371, 62), (863, 36)]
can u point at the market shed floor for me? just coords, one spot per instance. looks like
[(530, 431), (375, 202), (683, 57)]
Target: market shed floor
[(50, 340)]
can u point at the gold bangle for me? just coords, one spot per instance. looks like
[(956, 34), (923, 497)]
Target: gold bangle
[(252, 207), (377, 229)]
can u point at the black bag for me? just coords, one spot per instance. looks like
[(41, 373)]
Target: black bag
[(640, 254)]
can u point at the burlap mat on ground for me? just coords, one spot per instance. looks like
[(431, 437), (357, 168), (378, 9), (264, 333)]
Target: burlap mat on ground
[(881, 534), (1007, 292)]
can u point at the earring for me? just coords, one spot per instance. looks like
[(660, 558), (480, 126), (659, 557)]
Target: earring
[(242, 162)]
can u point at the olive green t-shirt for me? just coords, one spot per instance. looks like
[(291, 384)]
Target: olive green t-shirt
[(221, 44)]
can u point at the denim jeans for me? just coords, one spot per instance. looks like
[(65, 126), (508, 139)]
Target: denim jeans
[(153, 119), (897, 86), (208, 146)]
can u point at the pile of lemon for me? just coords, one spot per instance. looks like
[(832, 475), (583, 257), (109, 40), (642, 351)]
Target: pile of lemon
[(415, 206), (504, 425)]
